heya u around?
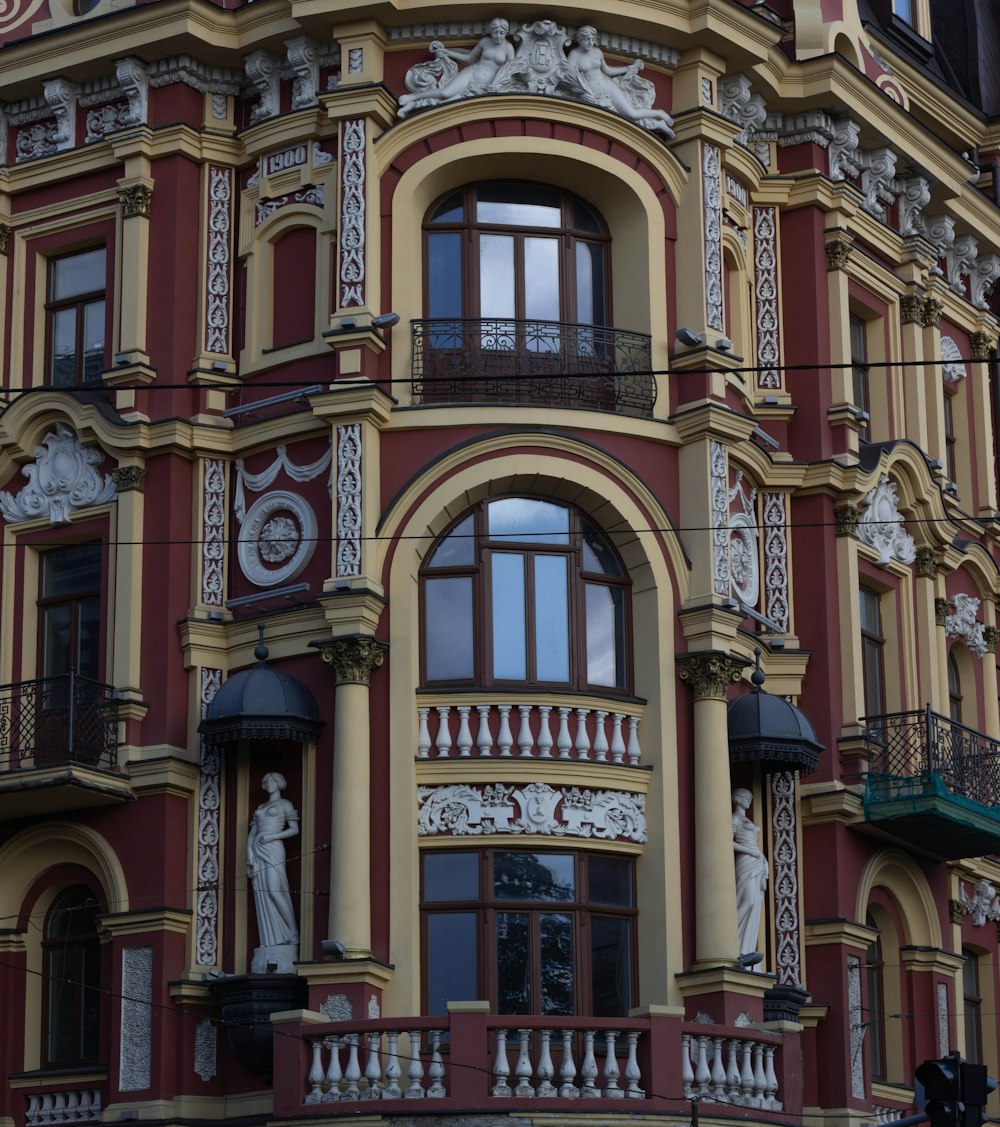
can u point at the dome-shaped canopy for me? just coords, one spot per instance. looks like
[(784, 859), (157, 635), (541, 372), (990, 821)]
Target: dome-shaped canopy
[(261, 703), (771, 731)]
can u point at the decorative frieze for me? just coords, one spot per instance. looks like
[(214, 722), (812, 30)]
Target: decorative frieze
[(209, 805), (786, 878), (881, 525), (353, 170), (539, 64), (136, 201), (961, 623), (981, 345), (62, 479), (712, 191), (983, 904), (535, 808), (136, 1037), (203, 77), (219, 256), (353, 658), (720, 517), (314, 194), (710, 674), (213, 531), (765, 261), (50, 126), (349, 485), (776, 559)]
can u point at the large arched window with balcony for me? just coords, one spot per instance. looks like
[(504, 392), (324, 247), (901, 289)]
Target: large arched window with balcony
[(526, 591), (517, 296)]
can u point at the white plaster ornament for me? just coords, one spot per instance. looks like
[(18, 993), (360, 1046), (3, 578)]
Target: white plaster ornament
[(881, 526), (540, 64), (273, 821), (982, 905), (751, 872), (62, 479), (962, 624)]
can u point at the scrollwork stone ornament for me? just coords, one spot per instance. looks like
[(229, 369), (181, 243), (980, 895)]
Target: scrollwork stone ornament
[(220, 222), (353, 223), (712, 192), (209, 804), (981, 345), (136, 201), (710, 674), (982, 905), (540, 64), (786, 878), (354, 658), (738, 104), (961, 623), (765, 261), (776, 559), (744, 559), (720, 530), (881, 525), (63, 478), (535, 808), (349, 500), (213, 534)]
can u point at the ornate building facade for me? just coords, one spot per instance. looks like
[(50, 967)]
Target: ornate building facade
[(499, 577)]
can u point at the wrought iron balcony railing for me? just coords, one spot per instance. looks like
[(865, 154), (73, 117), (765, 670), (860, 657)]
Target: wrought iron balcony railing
[(55, 721), (549, 363), (905, 748)]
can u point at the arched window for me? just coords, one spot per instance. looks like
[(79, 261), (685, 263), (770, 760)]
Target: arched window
[(72, 985), (954, 690), (507, 249), (525, 591)]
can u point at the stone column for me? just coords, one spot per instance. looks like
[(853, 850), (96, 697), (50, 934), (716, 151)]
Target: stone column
[(353, 659), (716, 937)]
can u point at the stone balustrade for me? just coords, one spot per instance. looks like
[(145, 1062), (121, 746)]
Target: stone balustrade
[(77, 1105), (729, 1070), (528, 731), (534, 1070), (370, 1066)]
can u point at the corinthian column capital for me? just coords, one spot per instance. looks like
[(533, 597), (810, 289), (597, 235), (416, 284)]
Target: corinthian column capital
[(354, 658), (710, 674)]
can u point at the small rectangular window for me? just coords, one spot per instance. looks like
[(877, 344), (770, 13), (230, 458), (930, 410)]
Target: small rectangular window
[(872, 647), (76, 318), (859, 370), (950, 438)]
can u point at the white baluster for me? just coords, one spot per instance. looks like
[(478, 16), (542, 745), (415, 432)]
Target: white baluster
[(58, 1107), (316, 1074), (588, 1070), (46, 1111), (31, 1115), (733, 1072), (85, 1113), (600, 737), (391, 1091), (72, 1112), (464, 740), (567, 1069), (436, 1069), (423, 734), (746, 1073), (544, 732), (632, 1073), (415, 1070), (563, 741), (504, 737), (524, 740), (718, 1071), (444, 732), (352, 1074), (582, 743), (634, 751), (759, 1079), (702, 1073), (617, 743), (373, 1068), (545, 1069), (611, 1069), (95, 1103), (522, 1070), (687, 1072), (484, 737), (334, 1075), (501, 1067), (771, 1080)]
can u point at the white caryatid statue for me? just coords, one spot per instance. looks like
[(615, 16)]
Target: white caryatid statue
[(273, 821), (751, 872)]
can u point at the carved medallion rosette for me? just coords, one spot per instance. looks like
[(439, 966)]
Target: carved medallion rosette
[(277, 538)]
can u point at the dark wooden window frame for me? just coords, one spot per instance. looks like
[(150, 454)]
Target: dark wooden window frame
[(479, 572), (80, 951), (873, 649), (79, 302), (74, 599), (875, 1023), (973, 1006), (860, 368), (487, 907), (950, 437)]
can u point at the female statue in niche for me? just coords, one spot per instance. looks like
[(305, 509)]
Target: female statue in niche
[(272, 822), (751, 872)]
